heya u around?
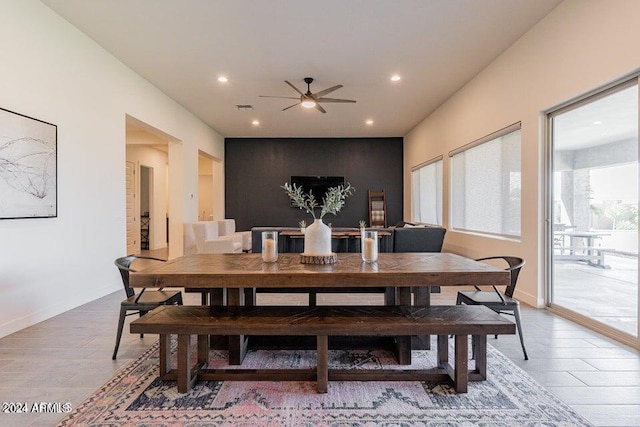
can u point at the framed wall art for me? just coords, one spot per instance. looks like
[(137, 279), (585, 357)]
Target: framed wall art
[(28, 167)]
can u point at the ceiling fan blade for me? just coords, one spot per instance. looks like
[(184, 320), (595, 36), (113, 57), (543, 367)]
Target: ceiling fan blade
[(294, 88), (283, 97), (319, 108), (327, 91), (291, 106), (335, 100)]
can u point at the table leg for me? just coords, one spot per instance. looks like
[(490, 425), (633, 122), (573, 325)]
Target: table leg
[(217, 297), (390, 296), (403, 343), (250, 296), (237, 343), (422, 298)]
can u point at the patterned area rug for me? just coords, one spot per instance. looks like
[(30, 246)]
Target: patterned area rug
[(136, 397)]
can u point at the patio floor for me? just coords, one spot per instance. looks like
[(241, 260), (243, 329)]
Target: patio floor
[(607, 295)]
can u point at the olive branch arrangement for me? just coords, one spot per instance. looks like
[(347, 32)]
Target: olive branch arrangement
[(332, 202)]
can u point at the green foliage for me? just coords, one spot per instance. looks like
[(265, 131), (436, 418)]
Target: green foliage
[(332, 202), (624, 216)]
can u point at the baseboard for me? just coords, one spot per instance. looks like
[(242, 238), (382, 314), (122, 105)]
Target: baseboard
[(45, 313), (528, 299)]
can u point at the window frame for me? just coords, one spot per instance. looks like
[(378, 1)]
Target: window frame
[(452, 199), (439, 195)]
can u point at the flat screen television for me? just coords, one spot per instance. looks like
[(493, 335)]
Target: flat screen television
[(317, 184)]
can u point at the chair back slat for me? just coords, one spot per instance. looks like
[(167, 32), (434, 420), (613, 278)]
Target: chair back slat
[(124, 266), (515, 265)]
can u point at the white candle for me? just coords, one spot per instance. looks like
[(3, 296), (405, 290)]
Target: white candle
[(370, 249), (269, 250)]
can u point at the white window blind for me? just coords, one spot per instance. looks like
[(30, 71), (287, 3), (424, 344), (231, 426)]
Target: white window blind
[(485, 184), (426, 184)]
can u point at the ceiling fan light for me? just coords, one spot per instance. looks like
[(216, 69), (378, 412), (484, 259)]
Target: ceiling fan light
[(308, 103)]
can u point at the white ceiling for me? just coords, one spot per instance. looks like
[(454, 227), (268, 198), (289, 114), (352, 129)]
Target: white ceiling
[(182, 46)]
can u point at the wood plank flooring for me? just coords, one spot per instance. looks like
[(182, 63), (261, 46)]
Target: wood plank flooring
[(45, 363)]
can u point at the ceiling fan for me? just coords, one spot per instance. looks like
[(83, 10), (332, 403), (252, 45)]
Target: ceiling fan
[(311, 100)]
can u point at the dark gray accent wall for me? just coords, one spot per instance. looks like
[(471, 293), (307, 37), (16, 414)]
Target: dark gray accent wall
[(255, 168)]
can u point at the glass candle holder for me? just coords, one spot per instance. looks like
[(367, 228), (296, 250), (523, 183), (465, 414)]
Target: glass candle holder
[(369, 246), (269, 246)]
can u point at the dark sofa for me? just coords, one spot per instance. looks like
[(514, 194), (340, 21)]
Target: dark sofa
[(401, 239)]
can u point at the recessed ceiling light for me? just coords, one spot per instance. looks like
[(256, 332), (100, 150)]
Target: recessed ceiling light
[(222, 79), (369, 122), (597, 122), (395, 78), (256, 122)]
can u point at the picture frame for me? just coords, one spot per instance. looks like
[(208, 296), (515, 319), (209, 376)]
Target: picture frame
[(28, 167)]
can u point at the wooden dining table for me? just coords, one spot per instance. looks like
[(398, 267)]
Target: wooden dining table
[(223, 279)]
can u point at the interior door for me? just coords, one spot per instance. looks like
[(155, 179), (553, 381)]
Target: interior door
[(132, 241)]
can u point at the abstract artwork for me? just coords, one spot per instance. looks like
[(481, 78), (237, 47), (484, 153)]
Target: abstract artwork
[(28, 167)]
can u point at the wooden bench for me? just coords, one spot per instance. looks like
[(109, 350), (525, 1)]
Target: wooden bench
[(593, 255), (322, 322)]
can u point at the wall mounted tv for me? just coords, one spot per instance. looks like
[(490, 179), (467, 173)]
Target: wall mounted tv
[(317, 184)]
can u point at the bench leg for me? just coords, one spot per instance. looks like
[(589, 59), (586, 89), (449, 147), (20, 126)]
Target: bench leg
[(203, 350), (461, 369), (165, 355), (322, 363), (184, 356), (480, 353), (443, 350)]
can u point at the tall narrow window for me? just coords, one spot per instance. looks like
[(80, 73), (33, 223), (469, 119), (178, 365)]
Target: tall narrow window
[(485, 184), (426, 185)]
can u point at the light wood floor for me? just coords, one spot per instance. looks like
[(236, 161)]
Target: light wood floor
[(48, 363)]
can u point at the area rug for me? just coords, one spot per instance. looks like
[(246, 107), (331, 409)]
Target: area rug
[(136, 397)]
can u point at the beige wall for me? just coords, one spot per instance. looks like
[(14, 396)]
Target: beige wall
[(581, 45), (53, 72)]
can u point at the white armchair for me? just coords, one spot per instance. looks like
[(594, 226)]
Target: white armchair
[(208, 240), (227, 227), (189, 239)]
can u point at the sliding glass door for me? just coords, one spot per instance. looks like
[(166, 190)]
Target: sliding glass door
[(593, 233)]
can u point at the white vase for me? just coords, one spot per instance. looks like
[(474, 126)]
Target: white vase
[(317, 239)]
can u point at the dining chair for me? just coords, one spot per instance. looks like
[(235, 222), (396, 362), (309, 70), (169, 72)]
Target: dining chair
[(497, 301), (144, 301)]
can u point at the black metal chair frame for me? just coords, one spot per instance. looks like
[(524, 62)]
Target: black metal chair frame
[(144, 301), (508, 306)]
